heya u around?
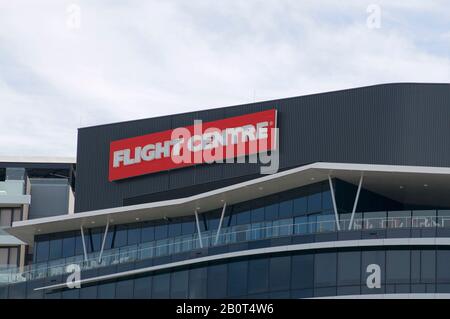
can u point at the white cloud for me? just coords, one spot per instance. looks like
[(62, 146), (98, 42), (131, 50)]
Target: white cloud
[(142, 59)]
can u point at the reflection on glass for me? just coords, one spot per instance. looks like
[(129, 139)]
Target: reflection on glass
[(399, 219), (374, 220), (161, 247), (186, 242), (301, 225), (344, 221), (312, 223), (444, 218), (423, 218), (285, 226), (257, 231), (326, 223)]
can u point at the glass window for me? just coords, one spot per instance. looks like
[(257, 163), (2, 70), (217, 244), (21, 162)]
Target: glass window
[(374, 220), (124, 289), (217, 281), (326, 222), (142, 287), (109, 238), (134, 234), (258, 277), (188, 227), (232, 219), (203, 222), (106, 290), (257, 215), (344, 220), (160, 232), (96, 238), (55, 248), (162, 247), (243, 218), (213, 221), (147, 233), (300, 206), (325, 269), (120, 238), (349, 268), (285, 209), (282, 227), (444, 218), (5, 217), (415, 266), (237, 278), (160, 286), (428, 266), (315, 202), (312, 223), (327, 200), (303, 271), (280, 273), (258, 231), (443, 262), (78, 244), (399, 219), (424, 218), (88, 292), (271, 212), (174, 229), (179, 284), (66, 294), (398, 265), (42, 248), (197, 282), (69, 245), (301, 225)]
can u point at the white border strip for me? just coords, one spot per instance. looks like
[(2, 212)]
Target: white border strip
[(390, 296), (37, 159), (193, 198)]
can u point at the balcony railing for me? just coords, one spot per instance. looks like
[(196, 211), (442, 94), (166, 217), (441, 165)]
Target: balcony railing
[(229, 235), (12, 187)]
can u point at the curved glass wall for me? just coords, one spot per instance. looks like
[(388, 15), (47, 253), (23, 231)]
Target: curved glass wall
[(303, 211), (307, 274), (297, 226)]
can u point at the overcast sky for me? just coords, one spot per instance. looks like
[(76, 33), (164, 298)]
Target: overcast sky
[(65, 65)]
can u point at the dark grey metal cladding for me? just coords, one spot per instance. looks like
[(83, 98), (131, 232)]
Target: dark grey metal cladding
[(397, 124)]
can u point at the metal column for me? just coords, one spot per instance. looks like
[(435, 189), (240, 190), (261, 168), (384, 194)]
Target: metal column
[(198, 229), (355, 204), (84, 244), (103, 242), (336, 216), (220, 223)]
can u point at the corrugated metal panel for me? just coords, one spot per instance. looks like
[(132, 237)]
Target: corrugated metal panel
[(403, 124)]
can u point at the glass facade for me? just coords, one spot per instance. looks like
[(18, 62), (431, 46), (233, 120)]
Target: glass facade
[(312, 203), (282, 275), (298, 216)]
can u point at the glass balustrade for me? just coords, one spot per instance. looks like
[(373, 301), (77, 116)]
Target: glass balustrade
[(229, 235)]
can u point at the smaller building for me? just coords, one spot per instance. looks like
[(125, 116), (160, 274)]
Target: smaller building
[(31, 188)]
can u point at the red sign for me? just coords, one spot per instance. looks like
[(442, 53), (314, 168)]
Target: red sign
[(209, 142)]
